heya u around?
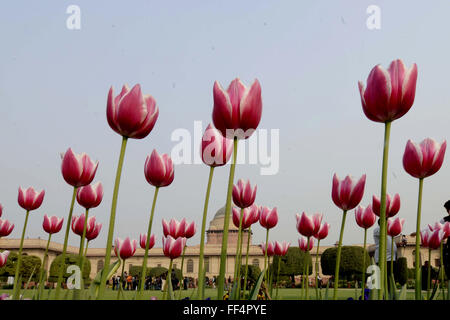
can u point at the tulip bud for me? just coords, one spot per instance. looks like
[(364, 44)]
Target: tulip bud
[(78, 169), (52, 224), (425, 159), (365, 217), (29, 199), (125, 248), (3, 258), (268, 218), (215, 149), (243, 195), (392, 205), (143, 241), (173, 248), (347, 193), (5, 228), (159, 170), (90, 196)]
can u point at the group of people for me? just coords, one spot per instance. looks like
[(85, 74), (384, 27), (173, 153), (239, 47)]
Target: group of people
[(130, 282)]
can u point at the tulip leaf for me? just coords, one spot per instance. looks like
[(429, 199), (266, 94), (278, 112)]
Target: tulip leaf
[(402, 294), (255, 290), (436, 285), (95, 285), (234, 293), (393, 291), (170, 289), (327, 290)]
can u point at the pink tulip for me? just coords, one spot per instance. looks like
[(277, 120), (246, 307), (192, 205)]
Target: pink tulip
[(143, 241), (3, 257), (29, 199), (78, 169), (159, 170), (215, 149), (190, 230), (347, 193), (425, 159), (243, 195), (248, 216), (237, 109), (270, 249), (5, 228), (173, 248), (90, 196), (394, 226), (78, 224), (303, 244), (131, 113), (281, 248), (424, 237), (1, 210), (323, 231), (365, 217), (308, 226), (446, 228), (94, 232), (435, 239), (52, 224), (392, 205), (174, 228), (125, 248), (268, 218), (389, 94)]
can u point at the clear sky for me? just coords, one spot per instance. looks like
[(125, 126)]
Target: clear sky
[(308, 57)]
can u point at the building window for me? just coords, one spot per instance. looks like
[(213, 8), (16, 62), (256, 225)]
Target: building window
[(190, 266), (255, 262), (99, 265), (206, 264)]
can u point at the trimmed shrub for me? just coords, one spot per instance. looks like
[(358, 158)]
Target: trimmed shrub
[(70, 259), (351, 264), (252, 273), (30, 265), (401, 271)]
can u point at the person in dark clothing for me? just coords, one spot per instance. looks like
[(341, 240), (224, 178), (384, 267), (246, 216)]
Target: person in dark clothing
[(185, 283), (446, 247)]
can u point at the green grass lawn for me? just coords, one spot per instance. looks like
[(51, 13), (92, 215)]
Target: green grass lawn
[(283, 294)]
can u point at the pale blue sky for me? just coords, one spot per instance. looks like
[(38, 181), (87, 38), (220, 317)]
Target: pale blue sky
[(308, 57)]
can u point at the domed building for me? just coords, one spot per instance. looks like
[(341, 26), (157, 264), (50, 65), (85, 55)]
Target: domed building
[(214, 234)]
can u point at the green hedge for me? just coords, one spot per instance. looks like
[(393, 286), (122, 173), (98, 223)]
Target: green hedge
[(29, 265), (70, 259), (253, 273), (401, 271), (351, 264)]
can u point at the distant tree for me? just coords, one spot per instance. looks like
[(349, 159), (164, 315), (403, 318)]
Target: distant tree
[(292, 264), (401, 271), (31, 265), (70, 259), (252, 273), (351, 264)]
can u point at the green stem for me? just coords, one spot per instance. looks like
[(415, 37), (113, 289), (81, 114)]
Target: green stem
[(363, 283), (265, 258), (418, 293), (392, 256), (80, 252), (237, 267), (317, 269), (201, 277), (246, 260), (278, 276), (66, 239), (307, 271), (169, 278), (382, 247), (226, 224), (429, 274), (147, 246), (112, 219), (121, 280), (182, 266), (41, 276), (338, 257), (17, 286), (86, 250)]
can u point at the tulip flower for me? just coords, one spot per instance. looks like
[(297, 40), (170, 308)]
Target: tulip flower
[(78, 170), (28, 199), (174, 228), (172, 248), (308, 226), (388, 96), (424, 235), (1, 210), (281, 248), (90, 196), (306, 244), (93, 232), (250, 216), (236, 115), (320, 235), (435, 239), (78, 224), (269, 247), (446, 228), (131, 113), (143, 241), (346, 194), (5, 228), (3, 258), (191, 229), (124, 249), (392, 205), (237, 108), (52, 224), (394, 226), (215, 151), (159, 172), (243, 195), (268, 218), (421, 161)]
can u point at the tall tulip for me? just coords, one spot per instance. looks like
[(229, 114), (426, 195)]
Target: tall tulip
[(51, 225), (3, 258), (215, 151), (79, 225), (321, 234), (306, 244), (308, 226), (365, 218), (346, 194), (268, 218), (5, 228), (421, 161), (29, 199), (78, 170), (159, 172), (91, 235), (131, 114), (172, 248), (189, 232), (253, 217), (236, 114), (174, 228), (143, 241), (124, 249), (392, 205), (394, 228), (280, 249), (268, 248), (388, 95), (1, 210)]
